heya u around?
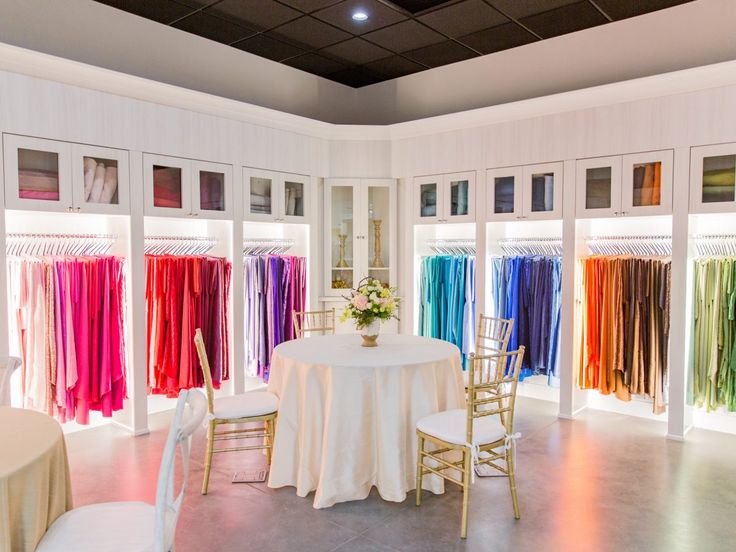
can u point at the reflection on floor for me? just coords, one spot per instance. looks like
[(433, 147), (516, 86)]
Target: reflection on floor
[(602, 482)]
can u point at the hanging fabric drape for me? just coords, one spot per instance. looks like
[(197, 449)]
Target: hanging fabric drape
[(67, 321), (625, 327), (447, 300), (528, 289), (275, 288), (712, 381), (183, 293)]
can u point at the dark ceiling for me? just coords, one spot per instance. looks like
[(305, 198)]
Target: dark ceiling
[(399, 37)]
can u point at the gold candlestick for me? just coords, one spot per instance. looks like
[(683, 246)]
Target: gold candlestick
[(342, 263), (377, 262)]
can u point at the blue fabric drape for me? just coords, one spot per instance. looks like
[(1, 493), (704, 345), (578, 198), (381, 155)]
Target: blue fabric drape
[(528, 290), (447, 301)]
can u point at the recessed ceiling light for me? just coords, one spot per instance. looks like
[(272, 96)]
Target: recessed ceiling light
[(360, 16)]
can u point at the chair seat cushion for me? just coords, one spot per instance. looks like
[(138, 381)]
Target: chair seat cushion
[(450, 426), (246, 405), (106, 527)]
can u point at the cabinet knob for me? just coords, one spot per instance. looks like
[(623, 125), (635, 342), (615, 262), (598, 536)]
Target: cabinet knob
[(79, 209), (70, 209), (195, 214)]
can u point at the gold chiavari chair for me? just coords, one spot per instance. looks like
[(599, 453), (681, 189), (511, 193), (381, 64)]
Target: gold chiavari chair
[(245, 408), (485, 426), (311, 322), (492, 337)]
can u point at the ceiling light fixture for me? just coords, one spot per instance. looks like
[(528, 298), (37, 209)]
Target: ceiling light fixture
[(360, 16)]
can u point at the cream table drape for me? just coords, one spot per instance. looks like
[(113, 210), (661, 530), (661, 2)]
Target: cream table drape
[(35, 488), (347, 414)]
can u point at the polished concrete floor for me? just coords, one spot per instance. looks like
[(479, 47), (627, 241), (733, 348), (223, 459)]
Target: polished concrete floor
[(602, 482)]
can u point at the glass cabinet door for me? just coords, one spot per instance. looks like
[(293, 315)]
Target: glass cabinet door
[(295, 191), (341, 236), (428, 199), (598, 184), (460, 198), (542, 193), (379, 231), (647, 183), (100, 179), (504, 193), (713, 179), (260, 195), (37, 174), (167, 181), (212, 190)]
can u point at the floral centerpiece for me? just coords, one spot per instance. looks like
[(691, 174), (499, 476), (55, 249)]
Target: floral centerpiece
[(368, 305)]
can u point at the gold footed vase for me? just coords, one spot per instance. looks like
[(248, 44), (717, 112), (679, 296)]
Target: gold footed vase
[(370, 333)]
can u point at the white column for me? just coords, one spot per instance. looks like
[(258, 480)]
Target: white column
[(572, 399), (237, 322), (137, 417), (679, 415)]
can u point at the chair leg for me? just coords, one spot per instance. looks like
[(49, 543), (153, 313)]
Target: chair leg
[(420, 449), (512, 482), (467, 466), (208, 455), (270, 432)]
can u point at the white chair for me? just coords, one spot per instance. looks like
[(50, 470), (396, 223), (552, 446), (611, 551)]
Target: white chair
[(235, 410), (492, 338), (135, 526), (485, 426), (7, 368)]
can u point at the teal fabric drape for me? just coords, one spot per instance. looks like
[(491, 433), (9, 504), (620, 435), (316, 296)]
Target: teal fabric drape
[(447, 300)]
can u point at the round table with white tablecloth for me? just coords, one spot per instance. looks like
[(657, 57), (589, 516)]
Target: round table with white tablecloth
[(35, 487), (347, 414)]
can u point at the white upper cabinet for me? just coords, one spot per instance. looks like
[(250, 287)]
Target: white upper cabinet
[(360, 232), (713, 179), (532, 192), (100, 180), (444, 198), (646, 183), (504, 193), (598, 187), (177, 187), (48, 175), (212, 190), (637, 184), (273, 196)]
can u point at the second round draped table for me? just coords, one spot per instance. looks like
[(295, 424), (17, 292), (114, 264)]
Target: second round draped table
[(348, 414)]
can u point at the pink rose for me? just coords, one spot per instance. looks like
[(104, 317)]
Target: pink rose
[(360, 302)]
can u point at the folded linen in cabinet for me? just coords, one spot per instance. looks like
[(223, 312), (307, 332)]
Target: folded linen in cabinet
[(97, 185), (90, 166), (110, 185)]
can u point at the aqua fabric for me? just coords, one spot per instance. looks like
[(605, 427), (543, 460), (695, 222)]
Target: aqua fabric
[(447, 301), (528, 289)]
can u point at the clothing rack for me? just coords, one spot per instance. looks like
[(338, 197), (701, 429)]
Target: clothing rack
[(176, 245), (276, 246), (654, 246), (714, 245), (452, 246), (38, 245), (531, 246)]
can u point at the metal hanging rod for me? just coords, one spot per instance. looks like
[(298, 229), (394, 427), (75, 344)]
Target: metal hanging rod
[(715, 244), (452, 246), (531, 246), (32, 244), (178, 245), (655, 246), (275, 246)]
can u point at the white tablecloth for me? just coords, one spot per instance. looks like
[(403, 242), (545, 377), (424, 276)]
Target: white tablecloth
[(347, 414)]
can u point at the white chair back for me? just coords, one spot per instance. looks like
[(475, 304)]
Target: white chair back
[(191, 409), (7, 368)]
